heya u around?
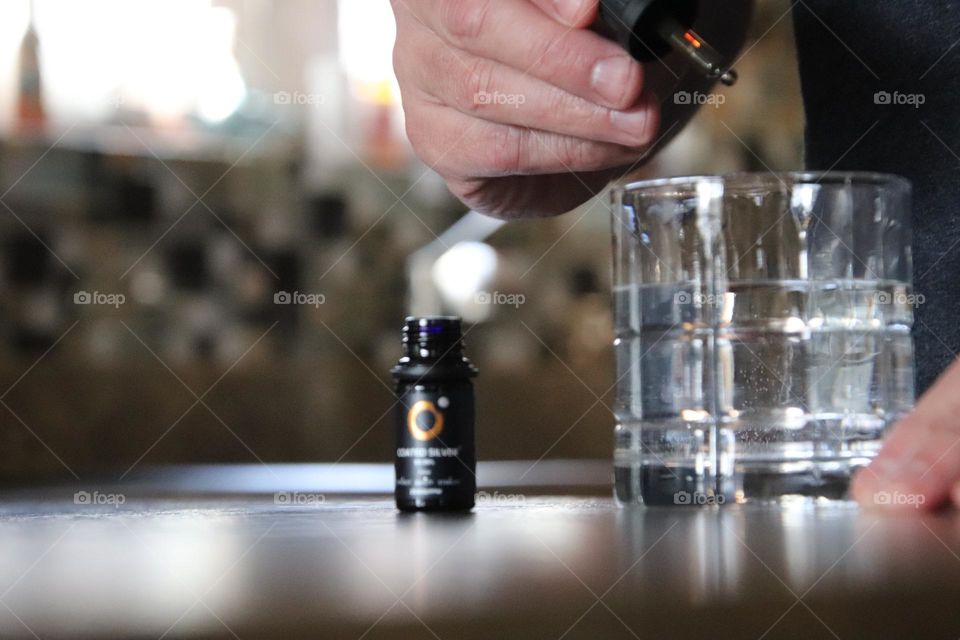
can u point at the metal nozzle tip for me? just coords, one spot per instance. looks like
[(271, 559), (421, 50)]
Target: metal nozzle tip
[(729, 78)]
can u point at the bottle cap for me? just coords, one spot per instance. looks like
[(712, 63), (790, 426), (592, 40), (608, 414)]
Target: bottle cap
[(434, 335)]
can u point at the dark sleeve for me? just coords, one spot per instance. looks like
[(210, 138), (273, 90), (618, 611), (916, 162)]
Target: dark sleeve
[(881, 87)]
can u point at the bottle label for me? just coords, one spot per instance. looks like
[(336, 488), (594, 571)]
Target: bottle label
[(435, 456)]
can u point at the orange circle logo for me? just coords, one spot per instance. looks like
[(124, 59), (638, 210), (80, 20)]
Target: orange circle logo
[(418, 408)]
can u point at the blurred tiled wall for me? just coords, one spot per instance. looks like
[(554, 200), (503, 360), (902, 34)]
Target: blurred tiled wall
[(142, 282)]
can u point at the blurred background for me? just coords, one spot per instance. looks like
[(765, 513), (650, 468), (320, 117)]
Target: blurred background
[(211, 228)]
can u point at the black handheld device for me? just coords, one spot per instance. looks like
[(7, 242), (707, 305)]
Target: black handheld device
[(650, 29)]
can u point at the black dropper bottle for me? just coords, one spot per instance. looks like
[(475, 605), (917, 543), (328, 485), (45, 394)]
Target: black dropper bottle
[(435, 455)]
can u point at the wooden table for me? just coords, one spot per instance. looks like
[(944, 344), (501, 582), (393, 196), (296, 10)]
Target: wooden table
[(319, 552)]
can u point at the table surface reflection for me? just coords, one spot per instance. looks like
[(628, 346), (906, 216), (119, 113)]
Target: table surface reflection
[(255, 552)]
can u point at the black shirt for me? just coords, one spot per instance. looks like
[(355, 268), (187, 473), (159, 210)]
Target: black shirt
[(909, 50)]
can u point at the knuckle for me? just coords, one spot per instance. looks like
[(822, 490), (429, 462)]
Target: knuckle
[(488, 197), (399, 58), (562, 108), (464, 19), (557, 57), (469, 191), (573, 152), (506, 150), (422, 139), (477, 80), (553, 107), (579, 155)]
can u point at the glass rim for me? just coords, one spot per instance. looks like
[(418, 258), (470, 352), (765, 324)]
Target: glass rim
[(775, 179)]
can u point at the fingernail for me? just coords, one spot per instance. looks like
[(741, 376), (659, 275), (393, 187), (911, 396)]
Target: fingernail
[(610, 77), (569, 10), (633, 123)]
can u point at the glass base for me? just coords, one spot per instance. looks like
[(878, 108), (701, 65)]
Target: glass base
[(651, 468), (659, 485)]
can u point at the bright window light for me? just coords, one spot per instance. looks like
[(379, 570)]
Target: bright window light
[(168, 58), (367, 32)]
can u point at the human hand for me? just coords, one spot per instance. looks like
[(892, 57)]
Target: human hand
[(919, 464), (507, 98)]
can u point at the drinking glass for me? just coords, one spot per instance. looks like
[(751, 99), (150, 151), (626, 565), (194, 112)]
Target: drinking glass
[(763, 338)]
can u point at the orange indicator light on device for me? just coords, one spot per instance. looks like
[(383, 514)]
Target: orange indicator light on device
[(692, 39)]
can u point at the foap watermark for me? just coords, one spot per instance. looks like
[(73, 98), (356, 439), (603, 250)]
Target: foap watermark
[(915, 100), (298, 98), (515, 300), (898, 499), (697, 298), (298, 499), (900, 298), (499, 499), (697, 498), (96, 498), (699, 98), (485, 98), (299, 298), (99, 298)]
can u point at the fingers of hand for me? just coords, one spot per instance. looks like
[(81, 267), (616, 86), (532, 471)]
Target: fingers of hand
[(487, 89), (520, 35), (919, 466), (456, 145), (528, 196)]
